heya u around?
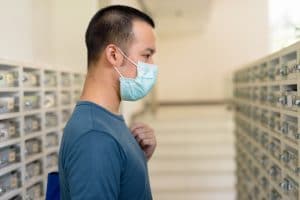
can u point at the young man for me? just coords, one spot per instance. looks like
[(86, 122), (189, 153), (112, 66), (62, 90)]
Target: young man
[(100, 158)]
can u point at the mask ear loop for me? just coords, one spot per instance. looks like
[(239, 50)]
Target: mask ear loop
[(132, 62), (118, 71)]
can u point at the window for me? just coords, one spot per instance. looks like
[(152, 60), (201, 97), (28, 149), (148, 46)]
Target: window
[(284, 17)]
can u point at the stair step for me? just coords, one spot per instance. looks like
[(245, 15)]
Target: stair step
[(192, 182), (196, 195), (194, 138), (182, 128), (208, 165), (194, 151)]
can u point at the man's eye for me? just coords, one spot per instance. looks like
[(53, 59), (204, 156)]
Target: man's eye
[(147, 56)]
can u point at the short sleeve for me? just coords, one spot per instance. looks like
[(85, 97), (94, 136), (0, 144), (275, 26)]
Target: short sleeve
[(94, 167)]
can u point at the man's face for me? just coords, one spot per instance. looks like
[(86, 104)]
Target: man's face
[(142, 48)]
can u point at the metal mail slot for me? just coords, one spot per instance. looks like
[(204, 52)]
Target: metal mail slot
[(256, 113), (290, 127), (255, 74), (265, 162), (9, 182), (31, 78), (264, 182), (255, 134), (248, 110), (65, 80), (264, 140), (8, 104), (289, 70), (35, 191), (272, 72), (252, 75), (276, 173), (245, 76), (50, 79), (264, 118), (255, 172), (274, 148), (283, 71), (31, 101), (263, 95), (242, 109), (273, 69), (245, 110), (52, 160), (290, 188), (65, 98), (274, 195), (256, 153), (248, 147), (263, 72), (32, 124), (50, 100), (33, 146), (8, 78), (9, 155), (9, 129), (289, 98), (78, 79), (290, 158), (52, 139), (51, 120), (248, 93), (33, 169), (274, 122), (66, 115), (255, 94), (76, 95), (243, 93), (274, 94)]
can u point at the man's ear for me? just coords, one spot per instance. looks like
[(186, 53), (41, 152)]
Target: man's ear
[(113, 55)]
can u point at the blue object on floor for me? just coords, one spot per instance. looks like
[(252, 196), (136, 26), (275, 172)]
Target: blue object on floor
[(53, 190)]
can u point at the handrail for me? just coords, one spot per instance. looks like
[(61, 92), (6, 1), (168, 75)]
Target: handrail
[(153, 106)]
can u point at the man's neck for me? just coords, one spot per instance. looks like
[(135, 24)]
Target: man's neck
[(99, 88)]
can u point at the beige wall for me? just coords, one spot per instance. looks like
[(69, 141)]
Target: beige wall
[(16, 30), (49, 32), (70, 20), (198, 65)]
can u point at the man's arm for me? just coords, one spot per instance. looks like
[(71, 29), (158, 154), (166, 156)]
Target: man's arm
[(94, 168)]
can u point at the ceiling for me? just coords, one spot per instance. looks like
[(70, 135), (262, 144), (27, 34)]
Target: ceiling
[(178, 16)]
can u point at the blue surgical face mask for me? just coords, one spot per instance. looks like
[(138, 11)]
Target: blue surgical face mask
[(132, 89)]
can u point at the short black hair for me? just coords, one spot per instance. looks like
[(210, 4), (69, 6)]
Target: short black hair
[(112, 24)]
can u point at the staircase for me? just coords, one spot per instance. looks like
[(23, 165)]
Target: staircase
[(194, 159)]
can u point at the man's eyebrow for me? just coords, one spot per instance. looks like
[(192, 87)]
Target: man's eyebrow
[(152, 51)]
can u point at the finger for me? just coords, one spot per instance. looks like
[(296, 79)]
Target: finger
[(145, 133), (147, 142), (137, 125), (143, 129), (140, 137), (143, 136)]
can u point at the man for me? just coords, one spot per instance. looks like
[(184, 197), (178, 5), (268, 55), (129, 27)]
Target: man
[(100, 158)]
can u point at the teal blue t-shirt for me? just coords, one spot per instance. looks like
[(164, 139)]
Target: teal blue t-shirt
[(100, 159)]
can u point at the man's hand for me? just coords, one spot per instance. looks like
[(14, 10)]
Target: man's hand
[(145, 137)]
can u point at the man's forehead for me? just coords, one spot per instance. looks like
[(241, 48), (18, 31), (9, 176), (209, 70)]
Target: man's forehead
[(144, 34)]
